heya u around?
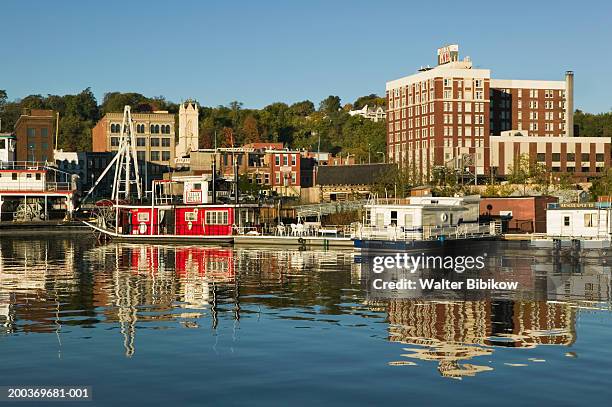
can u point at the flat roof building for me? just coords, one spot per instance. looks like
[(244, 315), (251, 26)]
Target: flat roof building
[(34, 135), (451, 114)]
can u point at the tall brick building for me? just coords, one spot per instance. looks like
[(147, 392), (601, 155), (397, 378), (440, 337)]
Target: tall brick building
[(449, 116), (155, 141)]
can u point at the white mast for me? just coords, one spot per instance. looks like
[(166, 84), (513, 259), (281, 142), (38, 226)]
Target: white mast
[(122, 161), (124, 176)]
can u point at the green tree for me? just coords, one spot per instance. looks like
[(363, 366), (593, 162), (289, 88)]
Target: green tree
[(371, 100), (602, 186), (330, 105)]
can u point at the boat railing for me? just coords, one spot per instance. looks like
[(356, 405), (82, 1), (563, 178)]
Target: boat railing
[(462, 231)]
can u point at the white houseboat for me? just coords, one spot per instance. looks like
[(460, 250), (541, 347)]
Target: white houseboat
[(589, 223), (418, 222)]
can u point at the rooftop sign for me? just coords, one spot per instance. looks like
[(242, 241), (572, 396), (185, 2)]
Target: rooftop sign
[(449, 53)]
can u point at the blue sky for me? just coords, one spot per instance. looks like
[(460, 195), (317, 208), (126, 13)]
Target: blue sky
[(259, 52)]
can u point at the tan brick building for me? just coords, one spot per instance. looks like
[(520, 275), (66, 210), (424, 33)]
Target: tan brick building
[(155, 140)]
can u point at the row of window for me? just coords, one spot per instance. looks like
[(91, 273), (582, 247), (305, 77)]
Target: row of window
[(140, 128), (15, 175), (31, 132), (154, 156), (585, 157), (216, 218), (142, 142), (591, 220), (285, 159)]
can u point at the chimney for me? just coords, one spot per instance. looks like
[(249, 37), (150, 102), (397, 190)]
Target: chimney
[(569, 103)]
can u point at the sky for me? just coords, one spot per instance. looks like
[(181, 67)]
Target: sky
[(260, 52)]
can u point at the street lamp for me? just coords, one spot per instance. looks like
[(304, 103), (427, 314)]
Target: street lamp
[(383, 155)]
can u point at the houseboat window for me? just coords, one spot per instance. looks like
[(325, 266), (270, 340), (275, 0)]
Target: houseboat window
[(590, 220), (2, 145), (191, 216), (566, 221), (197, 187), (14, 176), (216, 218), (394, 218), (408, 220), (37, 177), (28, 175), (143, 217)]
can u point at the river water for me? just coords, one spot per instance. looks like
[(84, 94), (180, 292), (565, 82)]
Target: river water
[(193, 325)]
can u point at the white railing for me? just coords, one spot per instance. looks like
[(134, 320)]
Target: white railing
[(37, 186), (463, 231)]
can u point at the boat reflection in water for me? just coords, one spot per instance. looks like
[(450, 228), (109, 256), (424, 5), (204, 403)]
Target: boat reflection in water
[(154, 283), (146, 292)]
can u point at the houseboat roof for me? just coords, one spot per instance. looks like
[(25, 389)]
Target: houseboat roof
[(579, 205)]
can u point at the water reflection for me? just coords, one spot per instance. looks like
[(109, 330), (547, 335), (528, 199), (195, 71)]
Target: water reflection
[(52, 285)]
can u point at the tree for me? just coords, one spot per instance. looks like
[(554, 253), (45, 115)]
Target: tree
[(372, 100), (330, 105), (602, 186), (304, 108), (3, 98), (250, 130)]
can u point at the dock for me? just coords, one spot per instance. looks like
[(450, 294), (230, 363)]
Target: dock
[(294, 241)]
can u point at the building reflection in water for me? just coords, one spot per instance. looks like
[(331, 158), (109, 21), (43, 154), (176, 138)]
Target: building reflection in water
[(454, 333), (48, 284)]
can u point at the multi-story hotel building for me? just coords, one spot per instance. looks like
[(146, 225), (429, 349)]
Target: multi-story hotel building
[(450, 116), (154, 136)]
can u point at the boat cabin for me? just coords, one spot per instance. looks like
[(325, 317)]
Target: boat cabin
[(589, 220), (418, 212)]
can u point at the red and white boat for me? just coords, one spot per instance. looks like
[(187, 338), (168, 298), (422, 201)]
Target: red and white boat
[(180, 209), (171, 219)]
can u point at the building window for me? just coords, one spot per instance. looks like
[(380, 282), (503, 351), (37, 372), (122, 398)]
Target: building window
[(114, 141), (566, 221), (285, 160), (599, 157), (154, 155), (44, 132), (165, 155), (165, 142), (216, 218), (140, 155), (586, 157), (141, 141), (154, 142), (556, 157)]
